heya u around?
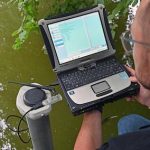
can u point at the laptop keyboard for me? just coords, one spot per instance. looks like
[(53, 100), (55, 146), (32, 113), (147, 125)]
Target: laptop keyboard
[(76, 78)]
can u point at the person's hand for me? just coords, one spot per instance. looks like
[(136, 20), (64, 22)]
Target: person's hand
[(95, 112), (143, 96)]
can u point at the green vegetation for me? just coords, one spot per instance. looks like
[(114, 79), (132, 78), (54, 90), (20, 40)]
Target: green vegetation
[(29, 13)]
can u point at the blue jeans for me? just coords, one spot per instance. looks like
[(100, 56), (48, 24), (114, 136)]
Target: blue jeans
[(132, 123)]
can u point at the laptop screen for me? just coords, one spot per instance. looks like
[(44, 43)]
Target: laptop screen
[(78, 37)]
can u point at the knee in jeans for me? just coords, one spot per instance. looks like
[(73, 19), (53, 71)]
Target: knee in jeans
[(124, 121)]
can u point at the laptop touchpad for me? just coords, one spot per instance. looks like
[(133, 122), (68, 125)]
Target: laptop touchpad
[(101, 88)]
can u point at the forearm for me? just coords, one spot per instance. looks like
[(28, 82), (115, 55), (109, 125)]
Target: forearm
[(90, 135)]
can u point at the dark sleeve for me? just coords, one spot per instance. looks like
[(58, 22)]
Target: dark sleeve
[(132, 141), (104, 146)]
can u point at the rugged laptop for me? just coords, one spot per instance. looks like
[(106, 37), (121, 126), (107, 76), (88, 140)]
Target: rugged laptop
[(82, 54)]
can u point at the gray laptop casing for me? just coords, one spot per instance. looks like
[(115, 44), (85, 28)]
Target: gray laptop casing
[(85, 98)]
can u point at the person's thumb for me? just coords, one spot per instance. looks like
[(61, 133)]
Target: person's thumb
[(133, 79)]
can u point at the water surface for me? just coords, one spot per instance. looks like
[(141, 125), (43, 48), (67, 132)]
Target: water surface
[(30, 64)]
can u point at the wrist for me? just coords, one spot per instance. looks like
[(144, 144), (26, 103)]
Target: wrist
[(92, 115), (91, 118)]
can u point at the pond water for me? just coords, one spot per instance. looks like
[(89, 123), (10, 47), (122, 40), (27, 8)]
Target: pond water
[(30, 64)]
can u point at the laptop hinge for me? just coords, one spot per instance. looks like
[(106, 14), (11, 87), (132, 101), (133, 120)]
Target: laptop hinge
[(87, 66)]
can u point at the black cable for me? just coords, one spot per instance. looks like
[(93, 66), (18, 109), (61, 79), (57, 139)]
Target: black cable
[(49, 87), (14, 116), (18, 131), (55, 83), (22, 118), (32, 85), (18, 128)]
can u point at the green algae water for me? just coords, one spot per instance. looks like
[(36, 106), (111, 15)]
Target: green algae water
[(30, 64)]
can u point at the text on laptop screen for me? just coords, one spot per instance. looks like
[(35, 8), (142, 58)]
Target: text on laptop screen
[(78, 37)]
